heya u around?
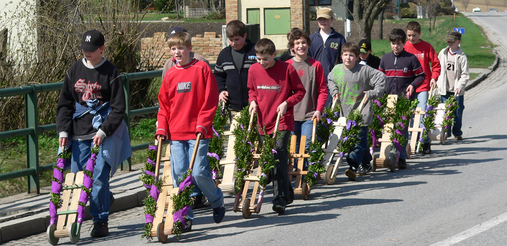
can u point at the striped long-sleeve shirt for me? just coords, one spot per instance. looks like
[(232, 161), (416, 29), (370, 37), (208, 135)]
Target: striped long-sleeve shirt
[(401, 71)]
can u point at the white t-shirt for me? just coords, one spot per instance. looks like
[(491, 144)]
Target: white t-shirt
[(450, 67), (324, 36)]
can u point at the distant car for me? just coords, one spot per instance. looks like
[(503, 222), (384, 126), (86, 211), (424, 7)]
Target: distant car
[(493, 10), (476, 9)]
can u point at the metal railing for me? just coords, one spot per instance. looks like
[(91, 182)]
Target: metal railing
[(32, 130)]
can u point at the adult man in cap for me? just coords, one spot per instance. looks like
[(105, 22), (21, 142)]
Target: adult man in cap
[(171, 62), (365, 54), (326, 43)]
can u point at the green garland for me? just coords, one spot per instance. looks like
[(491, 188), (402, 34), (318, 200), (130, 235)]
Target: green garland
[(182, 200), (56, 198), (451, 105), (377, 124), (243, 147), (350, 134), (216, 144), (150, 204), (429, 118), (267, 160), (400, 116), (324, 129)]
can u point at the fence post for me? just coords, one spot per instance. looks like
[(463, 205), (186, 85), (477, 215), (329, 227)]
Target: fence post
[(32, 140), (126, 90)]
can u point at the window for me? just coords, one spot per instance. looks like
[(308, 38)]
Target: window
[(320, 2), (276, 21)]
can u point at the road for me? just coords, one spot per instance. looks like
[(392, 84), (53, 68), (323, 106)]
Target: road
[(455, 196)]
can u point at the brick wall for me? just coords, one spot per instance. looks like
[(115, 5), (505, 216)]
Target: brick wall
[(231, 10), (154, 50)]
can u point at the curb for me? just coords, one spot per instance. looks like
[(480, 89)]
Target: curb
[(478, 80)]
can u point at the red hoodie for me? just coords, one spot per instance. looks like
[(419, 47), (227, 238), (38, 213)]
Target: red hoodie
[(271, 87), (425, 54), (188, 100)]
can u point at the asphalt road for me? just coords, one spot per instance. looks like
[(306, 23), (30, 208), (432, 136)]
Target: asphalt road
[(455, 196)]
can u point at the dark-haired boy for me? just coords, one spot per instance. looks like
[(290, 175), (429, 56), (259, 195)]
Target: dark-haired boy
[(351, 82), (233, 63), (404, 74), (274, 87), (426, 55)]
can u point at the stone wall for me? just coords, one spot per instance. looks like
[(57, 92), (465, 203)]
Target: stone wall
[(154, 50)]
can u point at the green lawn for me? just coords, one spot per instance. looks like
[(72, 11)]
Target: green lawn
[(477, 48)]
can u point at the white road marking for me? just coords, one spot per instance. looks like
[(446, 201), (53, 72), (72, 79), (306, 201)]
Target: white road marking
[(473, 231)]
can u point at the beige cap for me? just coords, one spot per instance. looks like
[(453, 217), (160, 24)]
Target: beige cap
[(325, 13)]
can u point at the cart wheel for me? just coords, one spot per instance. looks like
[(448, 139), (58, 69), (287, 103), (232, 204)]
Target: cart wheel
[(74, 234), (392, 162), (327, 176), (409, 151), (374, 166), (162, 237), (50, 232), (306, 190), (246, 209), (443, 137), (236, 202)]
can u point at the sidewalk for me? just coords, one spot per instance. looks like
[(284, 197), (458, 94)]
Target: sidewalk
[(23, 215)]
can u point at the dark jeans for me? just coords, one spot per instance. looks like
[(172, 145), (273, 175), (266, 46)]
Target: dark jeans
[(281, 183), (458, 115), (360, 154)]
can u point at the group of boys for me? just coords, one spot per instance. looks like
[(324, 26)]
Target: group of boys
[(321, 66)]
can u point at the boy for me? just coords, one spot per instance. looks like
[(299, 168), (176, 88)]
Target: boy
[(327, 42), (404, 75), (198, 200), (188, 100), (426, 55), (454, 79), (233, 63), (311, 73), (171, 62), (271, 84), (366, 58), (94, 84), (351, 82)]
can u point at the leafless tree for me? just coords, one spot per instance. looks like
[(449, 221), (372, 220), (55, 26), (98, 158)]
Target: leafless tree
[(432, 9), (465, 4), (364, 13), (487, 2)]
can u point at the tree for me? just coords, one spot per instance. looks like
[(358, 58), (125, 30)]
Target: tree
[(488, 2), (368, 10), (465, 4), (432, 9)]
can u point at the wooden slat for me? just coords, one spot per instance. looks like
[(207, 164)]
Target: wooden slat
[(69, 180), (161, 207), (168, 226), (76, 193)]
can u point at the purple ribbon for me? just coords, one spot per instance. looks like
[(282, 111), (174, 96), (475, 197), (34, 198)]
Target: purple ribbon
[(350, 124), (149, 173), (154, 192), (315, 174), (214, 174), (149, 218), (399, 132), (398, 145), (341, 154), (214, 155), (150, 161), (400, 124), (345, 139), (186, 183), (373, 137), (52, 212), (378, 103), (242, 127), (152, 147), (403, 117), (329, 121), (273, 151), (180, 215), (216, 133)]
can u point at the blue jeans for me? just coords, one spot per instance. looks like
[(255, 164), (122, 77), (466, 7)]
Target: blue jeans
[(181, 152), (458, 115), (423, 102), (282, 187), (360, 153), (100, 197)]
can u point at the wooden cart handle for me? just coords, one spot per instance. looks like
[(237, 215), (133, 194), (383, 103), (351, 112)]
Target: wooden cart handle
[(363, 102), (159, 156), (334, 103), (314, 130), (277, 124), (250, 123), (194, 153)]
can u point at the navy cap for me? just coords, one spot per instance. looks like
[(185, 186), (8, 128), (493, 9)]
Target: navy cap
[(92, 40), (176, 29)]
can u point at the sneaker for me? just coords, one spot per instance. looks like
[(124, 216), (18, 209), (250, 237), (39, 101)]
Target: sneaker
[(351, 174), (426, 148), (218, 214), (365, 169), (402, 163), (100, 229), (458, 137), (199, 201), (279, 206), (188, 226)]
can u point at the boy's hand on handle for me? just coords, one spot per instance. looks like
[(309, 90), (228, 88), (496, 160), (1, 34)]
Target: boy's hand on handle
[(337, 96), (316, 115), (457, 91), (160, 138), (410, 90), (252, 108), (224, 96), (97, 140), (63, 142), (282, 108), (433, 83)]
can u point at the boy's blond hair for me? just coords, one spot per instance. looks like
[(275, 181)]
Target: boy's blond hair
[(265, 47), (350, 47), (235, 28), (180, 38)]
